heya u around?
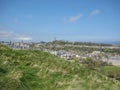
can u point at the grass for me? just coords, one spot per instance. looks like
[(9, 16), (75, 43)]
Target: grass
[(36, 70), (112, 71)]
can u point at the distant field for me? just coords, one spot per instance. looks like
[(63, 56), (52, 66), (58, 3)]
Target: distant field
[(115, 62)]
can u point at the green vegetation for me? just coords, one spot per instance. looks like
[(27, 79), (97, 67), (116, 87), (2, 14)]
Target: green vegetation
[(112, 71), (93, 64), (62, 42), (81, 47), (36, 70)]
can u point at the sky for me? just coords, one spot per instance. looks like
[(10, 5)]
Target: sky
[(72, 20)]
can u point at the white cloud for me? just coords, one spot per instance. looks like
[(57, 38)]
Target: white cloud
[(74, 18), (95, 12), (28, 16), (21, 37), (5, 34), (10, 35), (24, 38)]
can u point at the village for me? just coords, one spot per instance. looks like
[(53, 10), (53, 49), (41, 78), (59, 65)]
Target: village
[(67, 52)]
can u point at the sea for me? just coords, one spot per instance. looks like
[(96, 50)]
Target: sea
[(108, 42)]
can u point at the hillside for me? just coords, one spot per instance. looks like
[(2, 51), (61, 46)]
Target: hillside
[(36, 70)]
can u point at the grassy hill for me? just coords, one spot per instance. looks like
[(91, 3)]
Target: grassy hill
[(36, 70)]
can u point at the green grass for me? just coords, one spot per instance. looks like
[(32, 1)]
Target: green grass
[(112, 71), (36, 70)]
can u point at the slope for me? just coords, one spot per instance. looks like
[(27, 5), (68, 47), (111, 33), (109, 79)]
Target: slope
[(36, 70)]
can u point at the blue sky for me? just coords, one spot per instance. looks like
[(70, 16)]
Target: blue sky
[(73, 20)]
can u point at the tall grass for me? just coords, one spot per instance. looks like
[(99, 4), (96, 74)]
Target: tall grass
[(36, 70)]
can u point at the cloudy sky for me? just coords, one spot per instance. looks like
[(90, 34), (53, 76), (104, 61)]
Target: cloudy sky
[(73, 20)]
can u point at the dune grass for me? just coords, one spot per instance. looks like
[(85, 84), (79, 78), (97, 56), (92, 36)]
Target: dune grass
[(112, 71), (36, 70)]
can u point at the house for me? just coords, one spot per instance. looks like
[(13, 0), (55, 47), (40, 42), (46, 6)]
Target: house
[(21, 45)]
